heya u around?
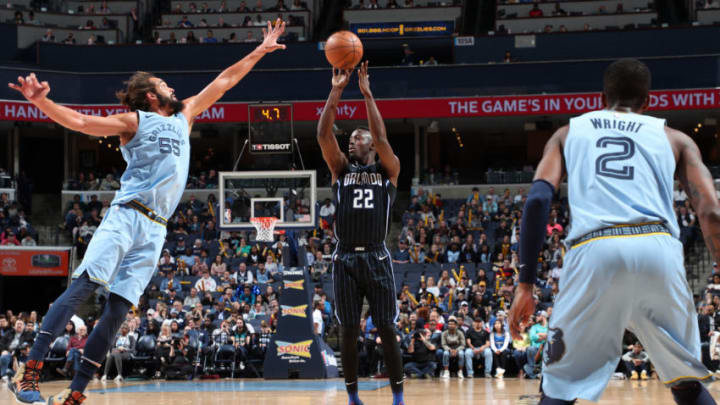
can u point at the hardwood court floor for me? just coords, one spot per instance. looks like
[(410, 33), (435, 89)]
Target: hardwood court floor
[(331, 392)]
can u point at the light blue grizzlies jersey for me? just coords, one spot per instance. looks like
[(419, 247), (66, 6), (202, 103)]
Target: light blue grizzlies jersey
[(621, 170), (158, 160)]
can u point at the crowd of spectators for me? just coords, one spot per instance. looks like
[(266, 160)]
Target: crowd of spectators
[(446, 176), (381, 4), (213, 299), (709, 320), (243, 7), (249, 20), (560, 11), (91, 181), (215, 294), (15, 228), (27, 17), (456, 319)]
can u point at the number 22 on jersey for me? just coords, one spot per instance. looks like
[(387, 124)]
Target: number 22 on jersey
[(363, 198)]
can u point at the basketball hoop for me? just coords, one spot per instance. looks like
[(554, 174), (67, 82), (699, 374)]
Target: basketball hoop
[(264, 227)]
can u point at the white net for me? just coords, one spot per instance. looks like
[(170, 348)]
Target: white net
[(264, 226)]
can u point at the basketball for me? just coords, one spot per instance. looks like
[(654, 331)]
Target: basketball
[(343, 50)]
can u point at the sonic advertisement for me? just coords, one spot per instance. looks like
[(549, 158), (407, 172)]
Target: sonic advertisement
[(295, 351)]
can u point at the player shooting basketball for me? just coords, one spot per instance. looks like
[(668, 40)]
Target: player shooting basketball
[(123, 252), (364, 190)]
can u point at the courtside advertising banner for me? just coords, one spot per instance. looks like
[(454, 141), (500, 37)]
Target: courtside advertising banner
[(25, 261), (489, 106), (295, 351)]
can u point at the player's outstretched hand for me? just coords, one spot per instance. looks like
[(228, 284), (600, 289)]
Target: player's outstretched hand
[(32, 89), (364, 79), (341, 77), (522, 307), (271, 35)]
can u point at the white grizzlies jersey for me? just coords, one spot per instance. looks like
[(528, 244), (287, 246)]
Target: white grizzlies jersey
[(158, 160), (621, 170)]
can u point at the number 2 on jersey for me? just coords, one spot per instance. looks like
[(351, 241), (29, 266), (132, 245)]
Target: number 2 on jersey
[(363, 198), (628, 151)]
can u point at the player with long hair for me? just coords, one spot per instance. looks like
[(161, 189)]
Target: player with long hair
[(123, 252)]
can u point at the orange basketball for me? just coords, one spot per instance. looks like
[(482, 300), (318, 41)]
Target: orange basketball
[(343, 50)]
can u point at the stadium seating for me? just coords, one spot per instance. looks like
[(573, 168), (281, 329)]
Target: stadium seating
[(75, 23), (575, 16), (115, 6), (521, 10), (222, 33), (450, 13), (232, 5), (600, 21), (301, 18), (28, 35), (709, 16)]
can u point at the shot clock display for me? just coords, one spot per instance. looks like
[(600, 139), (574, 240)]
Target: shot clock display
[(270, 128)]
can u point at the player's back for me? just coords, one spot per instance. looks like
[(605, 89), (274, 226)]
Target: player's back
[(620, 171), (158, 159)]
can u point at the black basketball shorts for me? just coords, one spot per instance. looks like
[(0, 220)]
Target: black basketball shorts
[(359, 274)]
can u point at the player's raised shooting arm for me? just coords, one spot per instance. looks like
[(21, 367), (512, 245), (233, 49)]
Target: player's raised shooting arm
[(697, 182), (388, 160), (36, 92), (231, 76), (335, 159)]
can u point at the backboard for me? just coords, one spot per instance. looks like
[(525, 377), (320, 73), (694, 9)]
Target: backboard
[(287, 195)]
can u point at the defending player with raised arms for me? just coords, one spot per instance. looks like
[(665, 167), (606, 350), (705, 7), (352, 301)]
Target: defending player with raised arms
[(624, 268), (364, 190), (124, 251)]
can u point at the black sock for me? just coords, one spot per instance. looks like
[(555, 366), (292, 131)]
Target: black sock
[(349, 355), (692, 393), (100, 340), (393, 358)]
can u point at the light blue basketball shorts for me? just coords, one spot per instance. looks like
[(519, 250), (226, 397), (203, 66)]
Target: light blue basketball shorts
[(611, 284), (123, 252)]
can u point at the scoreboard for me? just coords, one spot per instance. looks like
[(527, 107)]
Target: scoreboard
[(270, 128)]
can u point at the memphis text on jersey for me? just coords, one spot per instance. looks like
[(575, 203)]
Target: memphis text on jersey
[(363, 179)]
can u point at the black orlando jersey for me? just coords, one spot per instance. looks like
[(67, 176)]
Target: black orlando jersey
[(363, 195)]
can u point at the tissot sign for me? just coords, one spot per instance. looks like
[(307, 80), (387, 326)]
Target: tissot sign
[(490, 106)]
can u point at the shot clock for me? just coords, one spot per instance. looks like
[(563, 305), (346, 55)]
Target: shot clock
[(270, 128)]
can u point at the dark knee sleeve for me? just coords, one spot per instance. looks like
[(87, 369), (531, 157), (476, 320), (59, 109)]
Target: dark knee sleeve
[(60, 313), (64, 307), (103, 335)]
